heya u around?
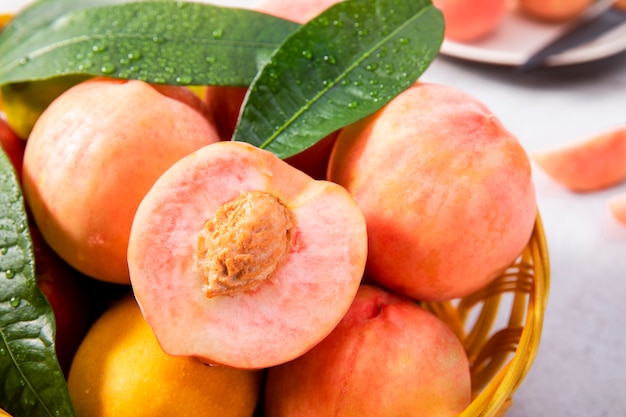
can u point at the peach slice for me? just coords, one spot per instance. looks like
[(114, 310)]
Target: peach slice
[(239, 259), (589, 164), (387, 357), (617, 207)]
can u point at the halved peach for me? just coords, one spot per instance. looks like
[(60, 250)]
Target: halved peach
[(237, 258), (589, 164)]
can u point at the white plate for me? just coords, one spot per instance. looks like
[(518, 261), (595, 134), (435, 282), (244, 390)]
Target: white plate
[(518, 37)]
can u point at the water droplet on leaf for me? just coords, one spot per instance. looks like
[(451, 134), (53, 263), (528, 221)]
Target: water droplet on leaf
[(15, 301), (107, 68), (98, 48), (184, 79)]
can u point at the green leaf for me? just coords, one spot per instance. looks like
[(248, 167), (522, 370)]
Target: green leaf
[(156, 41), (32, 383), (339, 67)]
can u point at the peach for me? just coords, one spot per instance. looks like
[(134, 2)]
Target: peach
[(617, 207), (297, 11), (470, 20), (120, 370), (387, 357), (238, 258), (445, 189), (92, 156), (553, 10), (588, 164)]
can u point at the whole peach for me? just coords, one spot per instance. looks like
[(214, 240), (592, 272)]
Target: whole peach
[(387, 357), (120, 370), (92, 156), (553, 10), (446, 192), (469, 20)]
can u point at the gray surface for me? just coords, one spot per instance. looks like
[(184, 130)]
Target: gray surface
[(580, 369)]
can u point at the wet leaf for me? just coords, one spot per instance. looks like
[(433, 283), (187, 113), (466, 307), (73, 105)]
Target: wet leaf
[(32, 381), (336, 69), (156, 41)]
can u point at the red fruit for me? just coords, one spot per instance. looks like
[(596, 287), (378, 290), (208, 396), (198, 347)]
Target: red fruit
[(237, 258)]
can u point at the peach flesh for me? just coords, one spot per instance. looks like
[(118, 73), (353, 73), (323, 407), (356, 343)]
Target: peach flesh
[(445, 189), (387, 357), (284, 316), (92, 156)]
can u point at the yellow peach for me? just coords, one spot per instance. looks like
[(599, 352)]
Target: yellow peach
[(120, 370)]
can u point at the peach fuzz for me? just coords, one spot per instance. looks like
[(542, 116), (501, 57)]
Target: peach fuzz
[(589, 164), (92, 156), (120, 370), (445, 189), (470, 20), (239, 259), (553, 10), (387, 357)]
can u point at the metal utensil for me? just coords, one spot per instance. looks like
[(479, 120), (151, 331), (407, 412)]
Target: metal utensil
[(597, 21)]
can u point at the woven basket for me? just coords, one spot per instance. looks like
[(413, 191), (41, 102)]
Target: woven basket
[(500, 327)]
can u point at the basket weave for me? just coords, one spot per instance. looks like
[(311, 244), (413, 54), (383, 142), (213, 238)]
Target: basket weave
[(500, 327)]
